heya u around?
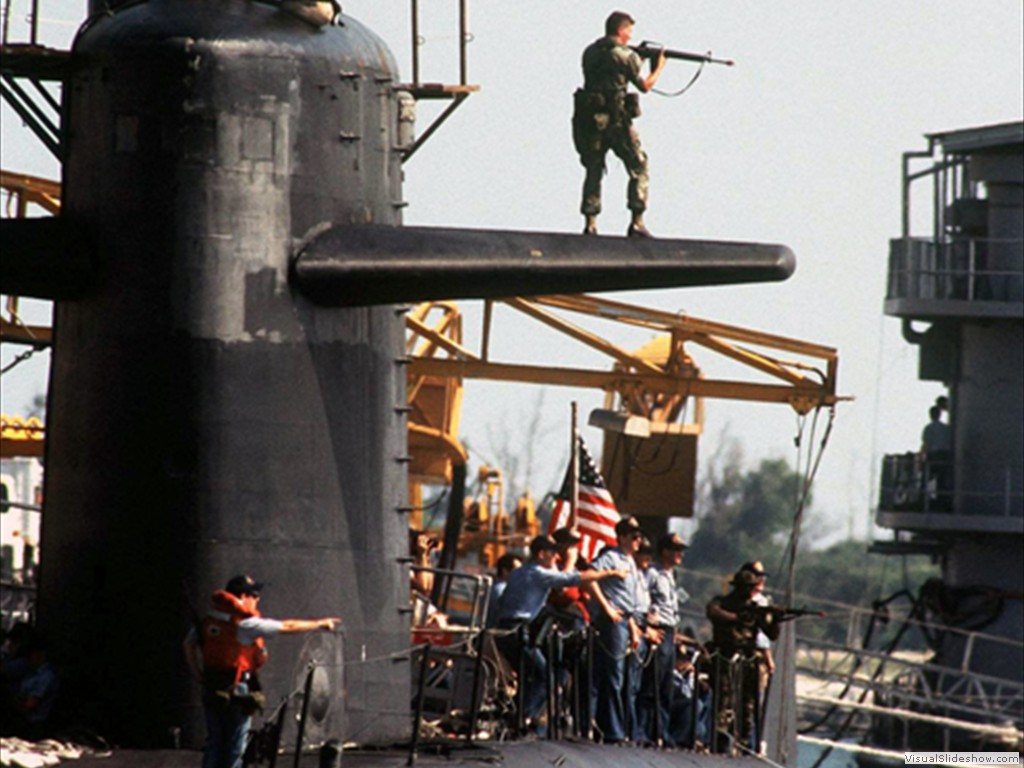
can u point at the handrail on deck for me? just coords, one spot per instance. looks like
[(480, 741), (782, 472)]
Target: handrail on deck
[(958, 268)]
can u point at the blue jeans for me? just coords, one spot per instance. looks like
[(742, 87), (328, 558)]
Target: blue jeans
[(536, 681), (681, 720), (680, 728), (660, 685), (610, 649), (535, 686), (227, 732), (633, 708)]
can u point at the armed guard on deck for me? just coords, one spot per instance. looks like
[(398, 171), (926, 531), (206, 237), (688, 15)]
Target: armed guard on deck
[(604, 110), (603, 119)]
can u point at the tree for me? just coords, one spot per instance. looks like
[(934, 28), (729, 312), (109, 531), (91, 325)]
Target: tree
[(38, 409), (746, 515), (513, 449), (743, 515)]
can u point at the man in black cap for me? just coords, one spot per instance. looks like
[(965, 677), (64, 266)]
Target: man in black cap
[(650, 637), (763, 600), (570, 602), (224, 654), (656, 691), (526, 593), (507, 563), (618, 632), (735, 623)]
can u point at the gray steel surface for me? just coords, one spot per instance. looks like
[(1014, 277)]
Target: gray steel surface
[(206, 420), (207, 417), (45, 258), (368, 264), (966, 279), (532, 754)]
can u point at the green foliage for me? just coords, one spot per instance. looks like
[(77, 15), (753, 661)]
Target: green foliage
[(38, 409), (746, 514), (847, 573)]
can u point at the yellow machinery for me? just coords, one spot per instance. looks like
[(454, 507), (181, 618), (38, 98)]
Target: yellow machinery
[(21, 191), (660, 382), (21, 437)]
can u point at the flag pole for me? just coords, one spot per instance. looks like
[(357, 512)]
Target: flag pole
[(574, 496)]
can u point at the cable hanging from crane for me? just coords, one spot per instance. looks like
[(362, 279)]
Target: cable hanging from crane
[(807, 481)]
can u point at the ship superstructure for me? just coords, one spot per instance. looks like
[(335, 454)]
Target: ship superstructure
[(955, 283)]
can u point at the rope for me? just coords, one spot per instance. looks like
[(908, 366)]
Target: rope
[(757, 755), (858, 661), (845, 725), (808, 480), (407, 653), (18, 360), (16, 320)]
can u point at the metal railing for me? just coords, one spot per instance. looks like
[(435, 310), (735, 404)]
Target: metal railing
[(464, 594), (28, 15), (910, 485), (844, 689), (463, 678), (963, 269), (880, 686), (17, 604)]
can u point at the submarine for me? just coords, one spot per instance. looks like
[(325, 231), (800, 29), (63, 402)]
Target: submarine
[(227, 391)]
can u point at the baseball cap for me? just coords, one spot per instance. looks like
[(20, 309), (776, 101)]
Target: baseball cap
[(755, 567), (568, 536), (749, 578), (507, 562), (243, 584), (542, 543), (627, 525), (671, 541)]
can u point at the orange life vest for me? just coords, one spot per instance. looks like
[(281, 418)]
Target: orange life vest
[(222, 650)]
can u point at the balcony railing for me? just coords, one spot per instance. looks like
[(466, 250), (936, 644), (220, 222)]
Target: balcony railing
[(973, 270), (911, 485)]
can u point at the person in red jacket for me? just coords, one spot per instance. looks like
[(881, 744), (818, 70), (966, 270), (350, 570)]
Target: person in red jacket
[(224, 653)]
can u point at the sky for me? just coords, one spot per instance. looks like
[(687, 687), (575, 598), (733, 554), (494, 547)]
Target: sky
[(800, 143)]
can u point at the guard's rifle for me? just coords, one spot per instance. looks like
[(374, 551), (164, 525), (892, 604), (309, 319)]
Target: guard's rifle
[(781, 613), (649, 50)]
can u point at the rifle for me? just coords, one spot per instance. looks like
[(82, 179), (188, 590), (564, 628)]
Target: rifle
[(649, 50), (782, 613)]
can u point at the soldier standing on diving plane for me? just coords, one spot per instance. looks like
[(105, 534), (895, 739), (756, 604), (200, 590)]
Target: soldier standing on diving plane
[(603, 119)]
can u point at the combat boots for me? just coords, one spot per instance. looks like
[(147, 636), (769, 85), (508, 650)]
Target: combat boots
[(637, 228)]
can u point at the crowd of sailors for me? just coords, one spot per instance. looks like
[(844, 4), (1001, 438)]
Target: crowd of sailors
[(596, 650)]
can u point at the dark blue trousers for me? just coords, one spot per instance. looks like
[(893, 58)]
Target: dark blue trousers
[(610, 649)]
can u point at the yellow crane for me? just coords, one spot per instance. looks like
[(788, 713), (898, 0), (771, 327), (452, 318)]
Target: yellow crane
[(660, 382), (659, 388)]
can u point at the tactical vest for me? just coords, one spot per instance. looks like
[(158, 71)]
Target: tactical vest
[(602, 102), (731, 636)]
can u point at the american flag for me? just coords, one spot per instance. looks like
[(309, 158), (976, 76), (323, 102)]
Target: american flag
[(596, 513)]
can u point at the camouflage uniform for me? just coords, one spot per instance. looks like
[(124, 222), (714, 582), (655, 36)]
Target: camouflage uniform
[(737, 684), (603, 120)]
